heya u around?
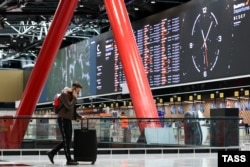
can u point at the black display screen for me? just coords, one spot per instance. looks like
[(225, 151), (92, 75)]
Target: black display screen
[(159, 46), (109, 73), (200, 41), (206, 41), (196, 42)]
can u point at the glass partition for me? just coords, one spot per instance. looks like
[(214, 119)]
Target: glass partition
[(110, 132)]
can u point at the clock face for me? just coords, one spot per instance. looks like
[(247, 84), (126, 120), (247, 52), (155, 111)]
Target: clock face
[(205, 42)]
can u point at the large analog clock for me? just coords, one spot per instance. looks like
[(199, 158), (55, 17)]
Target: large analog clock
[(205, 42)]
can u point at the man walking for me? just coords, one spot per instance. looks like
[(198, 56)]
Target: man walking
[(67, 113)]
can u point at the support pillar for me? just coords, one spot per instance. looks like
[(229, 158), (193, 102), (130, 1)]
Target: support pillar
[(137, 81), (40, 72)]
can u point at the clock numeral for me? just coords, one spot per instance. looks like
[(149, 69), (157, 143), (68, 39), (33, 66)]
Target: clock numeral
[(204, 10), (219, 38)]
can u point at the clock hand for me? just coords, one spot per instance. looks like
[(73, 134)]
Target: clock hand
[(206, 55), (205, 38), (202, 33), (205, 47), (205, 43), (209, 29)]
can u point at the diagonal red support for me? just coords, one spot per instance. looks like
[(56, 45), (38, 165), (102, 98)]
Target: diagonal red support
[(40, 73), (137, 81)]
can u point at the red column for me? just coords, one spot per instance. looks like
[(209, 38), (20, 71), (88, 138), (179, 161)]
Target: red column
[(40, 73), (137, 81)]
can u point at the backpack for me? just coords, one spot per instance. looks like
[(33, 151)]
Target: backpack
[(56, 103)]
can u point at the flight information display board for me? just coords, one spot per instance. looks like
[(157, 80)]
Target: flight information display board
[(196, 42), (241, 36), (109, 71), (199, 41), (159, 46), (105, 66)]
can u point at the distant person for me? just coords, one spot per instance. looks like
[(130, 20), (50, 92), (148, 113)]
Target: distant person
[(124, 121), (66, 114), (246, 128), (124, 126)]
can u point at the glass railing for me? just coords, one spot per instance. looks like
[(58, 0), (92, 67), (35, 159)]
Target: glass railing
[(218, 132)]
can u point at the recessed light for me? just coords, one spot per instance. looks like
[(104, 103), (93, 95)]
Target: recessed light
[(136, 9)]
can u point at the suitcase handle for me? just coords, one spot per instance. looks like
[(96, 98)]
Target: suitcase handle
[(87, 124)]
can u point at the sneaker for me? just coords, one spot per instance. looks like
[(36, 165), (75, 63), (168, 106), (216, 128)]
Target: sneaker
[(51, 157), (72, 162)]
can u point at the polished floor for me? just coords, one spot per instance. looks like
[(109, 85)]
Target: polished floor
[(121, 160)]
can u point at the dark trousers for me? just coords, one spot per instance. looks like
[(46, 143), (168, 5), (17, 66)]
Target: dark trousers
[(126, 135), (247, 128), (65, 126)]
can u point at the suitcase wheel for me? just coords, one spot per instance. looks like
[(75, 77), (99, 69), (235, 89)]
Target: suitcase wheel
[(93, 162)]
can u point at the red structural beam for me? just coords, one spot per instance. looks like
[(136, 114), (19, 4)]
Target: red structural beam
[(40, 73), (137, 81)]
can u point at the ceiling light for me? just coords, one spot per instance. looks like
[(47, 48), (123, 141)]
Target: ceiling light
[(232, 98), (189, 102), (136, 8), (244, 98), (153, 2)]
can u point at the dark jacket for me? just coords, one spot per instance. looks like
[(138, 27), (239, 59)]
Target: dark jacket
[(67, 107)]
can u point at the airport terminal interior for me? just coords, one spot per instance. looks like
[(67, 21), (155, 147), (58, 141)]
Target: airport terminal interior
[(192, 53)]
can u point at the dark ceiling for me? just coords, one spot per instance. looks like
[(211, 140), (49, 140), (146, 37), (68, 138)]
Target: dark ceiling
[(24, 23)]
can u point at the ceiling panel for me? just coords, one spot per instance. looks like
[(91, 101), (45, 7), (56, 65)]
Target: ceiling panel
[(23, 23)]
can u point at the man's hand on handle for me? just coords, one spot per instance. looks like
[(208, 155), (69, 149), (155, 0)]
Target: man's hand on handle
[(84, 117)]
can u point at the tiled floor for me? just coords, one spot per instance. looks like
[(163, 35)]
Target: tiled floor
[(121, 160)]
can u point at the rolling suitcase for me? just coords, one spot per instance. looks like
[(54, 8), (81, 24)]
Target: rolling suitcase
[(85, 144)]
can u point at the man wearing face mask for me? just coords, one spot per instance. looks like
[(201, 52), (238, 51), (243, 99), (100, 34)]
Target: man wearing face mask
[(66, 114)]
